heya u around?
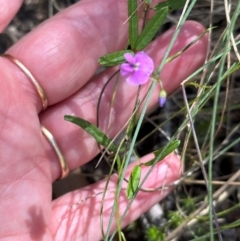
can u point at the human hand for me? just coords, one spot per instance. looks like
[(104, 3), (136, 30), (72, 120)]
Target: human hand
[(62, 54)]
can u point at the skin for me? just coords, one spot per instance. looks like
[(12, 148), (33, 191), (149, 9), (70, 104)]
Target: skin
[(62, 54)]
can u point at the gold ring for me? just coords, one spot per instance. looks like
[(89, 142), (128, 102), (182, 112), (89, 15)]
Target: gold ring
[(62, 161), (39, 89)]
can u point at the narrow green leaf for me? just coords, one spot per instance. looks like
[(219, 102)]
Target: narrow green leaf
[(119, 163), (133, 181), (133, 22), (113, 59), (132, 124), (171, 4), (97, 134), (148, 2), (151, 29), (163, 152), (235, 67)]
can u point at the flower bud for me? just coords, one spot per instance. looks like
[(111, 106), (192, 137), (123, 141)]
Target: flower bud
[(162, 97)]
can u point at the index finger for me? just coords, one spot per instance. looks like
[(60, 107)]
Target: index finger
[(62, 53), (7, 11)]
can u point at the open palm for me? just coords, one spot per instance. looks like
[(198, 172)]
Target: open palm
[(62, 54)]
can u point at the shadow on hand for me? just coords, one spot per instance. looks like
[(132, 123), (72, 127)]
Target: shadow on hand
[(36, 223)]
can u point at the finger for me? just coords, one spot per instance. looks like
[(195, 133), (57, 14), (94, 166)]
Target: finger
[(62, 53), (76, 213), (8, 10), (78, 146)]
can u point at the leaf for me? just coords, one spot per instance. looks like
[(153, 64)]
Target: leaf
[(119, 164), (151, 29), (113, 59), (132, 124), (148, 2), (133, 22), (163, 152), (171, 4), (97, 134), (133, 182), (232, 69)]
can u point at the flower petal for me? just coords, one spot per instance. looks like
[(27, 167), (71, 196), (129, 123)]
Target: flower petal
[(138, 78), (145, 62), (126, 69), (161, 101), (130, 58), (138, 68)]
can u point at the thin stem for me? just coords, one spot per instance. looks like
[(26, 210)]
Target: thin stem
[(202, 165)]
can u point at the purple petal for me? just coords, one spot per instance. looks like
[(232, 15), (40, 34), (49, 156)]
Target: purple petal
[(146, 63), (162, 101), (126, 69), (130, 58), (138, 78)]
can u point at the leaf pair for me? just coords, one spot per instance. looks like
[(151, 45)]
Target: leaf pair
[(103, 140), (153, 25), (137, 42), (133, 183), (146, 36)]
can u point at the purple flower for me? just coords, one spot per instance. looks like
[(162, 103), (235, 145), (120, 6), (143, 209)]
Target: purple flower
[(162, 98), (138, 68)]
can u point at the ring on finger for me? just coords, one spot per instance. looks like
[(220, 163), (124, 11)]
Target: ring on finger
[(25, 70)]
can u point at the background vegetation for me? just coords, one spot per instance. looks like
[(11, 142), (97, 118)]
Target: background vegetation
[(213, 99)]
